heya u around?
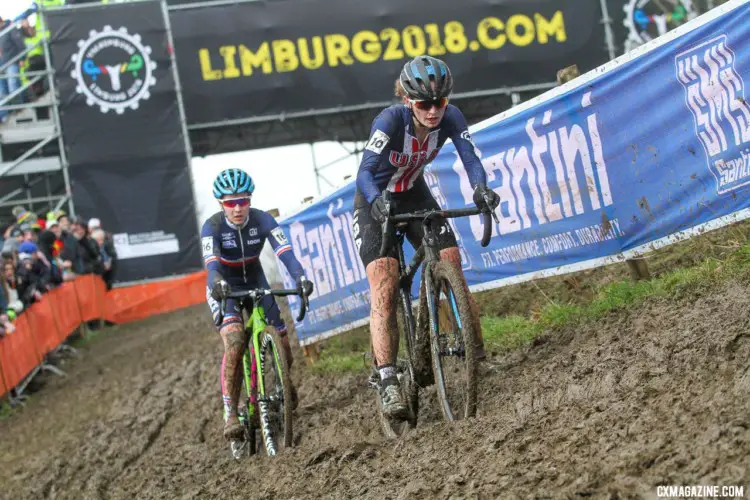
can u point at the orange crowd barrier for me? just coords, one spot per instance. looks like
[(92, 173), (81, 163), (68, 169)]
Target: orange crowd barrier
[(141, 301), (46, 324), (18, 353)]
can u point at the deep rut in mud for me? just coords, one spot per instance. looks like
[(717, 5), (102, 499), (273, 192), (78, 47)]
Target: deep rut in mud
[(613, 409)]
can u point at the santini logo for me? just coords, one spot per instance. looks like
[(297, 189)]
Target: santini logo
[(715, 95)]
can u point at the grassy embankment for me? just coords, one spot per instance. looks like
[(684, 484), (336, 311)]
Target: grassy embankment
[(516, 315)]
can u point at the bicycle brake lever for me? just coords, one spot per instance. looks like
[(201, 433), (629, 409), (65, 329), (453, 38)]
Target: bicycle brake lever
[(492, 211)]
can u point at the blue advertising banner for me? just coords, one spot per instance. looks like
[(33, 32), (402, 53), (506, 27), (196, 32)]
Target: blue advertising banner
[(646, 150)]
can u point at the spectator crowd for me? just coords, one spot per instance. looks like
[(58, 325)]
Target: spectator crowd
[(41, 254)]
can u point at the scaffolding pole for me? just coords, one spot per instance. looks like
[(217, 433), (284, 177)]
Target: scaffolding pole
[(57, 122), (181, 109), (315, 167), (609, 36)]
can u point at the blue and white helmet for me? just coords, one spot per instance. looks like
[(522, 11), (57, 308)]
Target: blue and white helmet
[(233, 181)]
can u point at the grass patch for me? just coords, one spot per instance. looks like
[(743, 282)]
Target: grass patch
[(513, 331), (344, 353), (5, 411), (339, 363), (78, 342)]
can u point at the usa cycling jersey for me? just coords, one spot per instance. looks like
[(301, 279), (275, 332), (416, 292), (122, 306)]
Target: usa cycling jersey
[(234, 251), (394, 158)]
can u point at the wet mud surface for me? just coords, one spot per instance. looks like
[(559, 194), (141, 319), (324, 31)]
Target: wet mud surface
[(637, 399)]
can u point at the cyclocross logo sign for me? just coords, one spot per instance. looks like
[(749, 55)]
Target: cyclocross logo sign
[(113, 70), (648, 19), (715, 95)]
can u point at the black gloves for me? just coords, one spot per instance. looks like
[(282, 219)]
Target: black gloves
[(220, 290), (492, 199), (305, 285), (378, 210)]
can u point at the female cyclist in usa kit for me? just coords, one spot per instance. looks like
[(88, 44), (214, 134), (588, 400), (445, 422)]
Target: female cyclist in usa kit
[(403, 139)]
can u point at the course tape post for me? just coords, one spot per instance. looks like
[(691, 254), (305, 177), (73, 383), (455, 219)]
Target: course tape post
[(646, 150)]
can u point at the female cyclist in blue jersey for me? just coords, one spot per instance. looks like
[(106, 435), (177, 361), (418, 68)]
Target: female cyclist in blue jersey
[(232, 240), (403, 139)]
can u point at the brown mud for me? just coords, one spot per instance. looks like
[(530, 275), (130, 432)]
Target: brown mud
[(640, 398)]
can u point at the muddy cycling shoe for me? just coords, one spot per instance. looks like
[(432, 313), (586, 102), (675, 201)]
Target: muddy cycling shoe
[(392, 400), (233, 429)]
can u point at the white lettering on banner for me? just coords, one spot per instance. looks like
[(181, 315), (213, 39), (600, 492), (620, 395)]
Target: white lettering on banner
[(132, 246), (327, 251), (432, 182), (715, 95), (548, 245), (548, 172), (334, 310)]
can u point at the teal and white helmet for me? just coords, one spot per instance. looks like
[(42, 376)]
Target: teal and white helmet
[(233, 181)]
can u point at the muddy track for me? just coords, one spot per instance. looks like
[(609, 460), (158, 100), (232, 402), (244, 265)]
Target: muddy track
[(655, 396)]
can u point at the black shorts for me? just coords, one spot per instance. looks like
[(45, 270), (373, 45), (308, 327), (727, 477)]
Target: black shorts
[(368, 233)]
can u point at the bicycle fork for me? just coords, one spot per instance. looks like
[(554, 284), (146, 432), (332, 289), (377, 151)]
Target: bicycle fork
[(432, 300)]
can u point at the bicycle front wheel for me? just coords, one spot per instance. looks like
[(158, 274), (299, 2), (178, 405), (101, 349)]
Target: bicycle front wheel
[(274, 395), (453, 342)]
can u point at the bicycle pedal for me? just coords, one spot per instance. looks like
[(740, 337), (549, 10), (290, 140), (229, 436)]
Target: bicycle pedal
[(402, 366), (238, 448), (374, 380)]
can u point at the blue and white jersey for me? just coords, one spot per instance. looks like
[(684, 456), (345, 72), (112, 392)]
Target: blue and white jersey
[(234, 251), (395, 159)]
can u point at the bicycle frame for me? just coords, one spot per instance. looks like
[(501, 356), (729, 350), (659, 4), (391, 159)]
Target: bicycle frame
[(427, 253), (251, 358), (252, 361)]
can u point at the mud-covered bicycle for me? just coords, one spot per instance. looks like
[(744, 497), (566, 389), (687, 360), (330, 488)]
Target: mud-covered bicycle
[(264, 356), (440, 334)]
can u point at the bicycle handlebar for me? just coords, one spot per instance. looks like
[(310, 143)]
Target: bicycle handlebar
[(429, 214), (260, 292)]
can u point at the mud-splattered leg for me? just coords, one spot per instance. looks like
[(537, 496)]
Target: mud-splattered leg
[(383, 277), (234, 339)]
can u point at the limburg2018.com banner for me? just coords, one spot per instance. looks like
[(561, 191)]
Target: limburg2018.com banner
[(255, 59)]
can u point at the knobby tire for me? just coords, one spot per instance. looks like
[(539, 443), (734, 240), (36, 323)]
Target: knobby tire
[(446, 273)]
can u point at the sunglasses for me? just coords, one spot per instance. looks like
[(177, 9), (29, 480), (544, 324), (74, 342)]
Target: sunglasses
[(236, 202), (427, 105)]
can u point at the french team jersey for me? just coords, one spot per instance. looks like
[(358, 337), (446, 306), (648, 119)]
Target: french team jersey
[(394, 158), (234, 251)]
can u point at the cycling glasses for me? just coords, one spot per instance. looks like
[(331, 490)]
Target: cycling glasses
[(236, 202), (427, 105)]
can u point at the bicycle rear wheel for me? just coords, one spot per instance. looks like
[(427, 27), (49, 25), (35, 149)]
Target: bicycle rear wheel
[(453, 342), (275, 398)]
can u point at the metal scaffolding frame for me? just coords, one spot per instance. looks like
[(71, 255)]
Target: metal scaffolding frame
[(47, 132)]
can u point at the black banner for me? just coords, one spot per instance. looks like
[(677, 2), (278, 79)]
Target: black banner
[(123, 134), (268, 58)]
